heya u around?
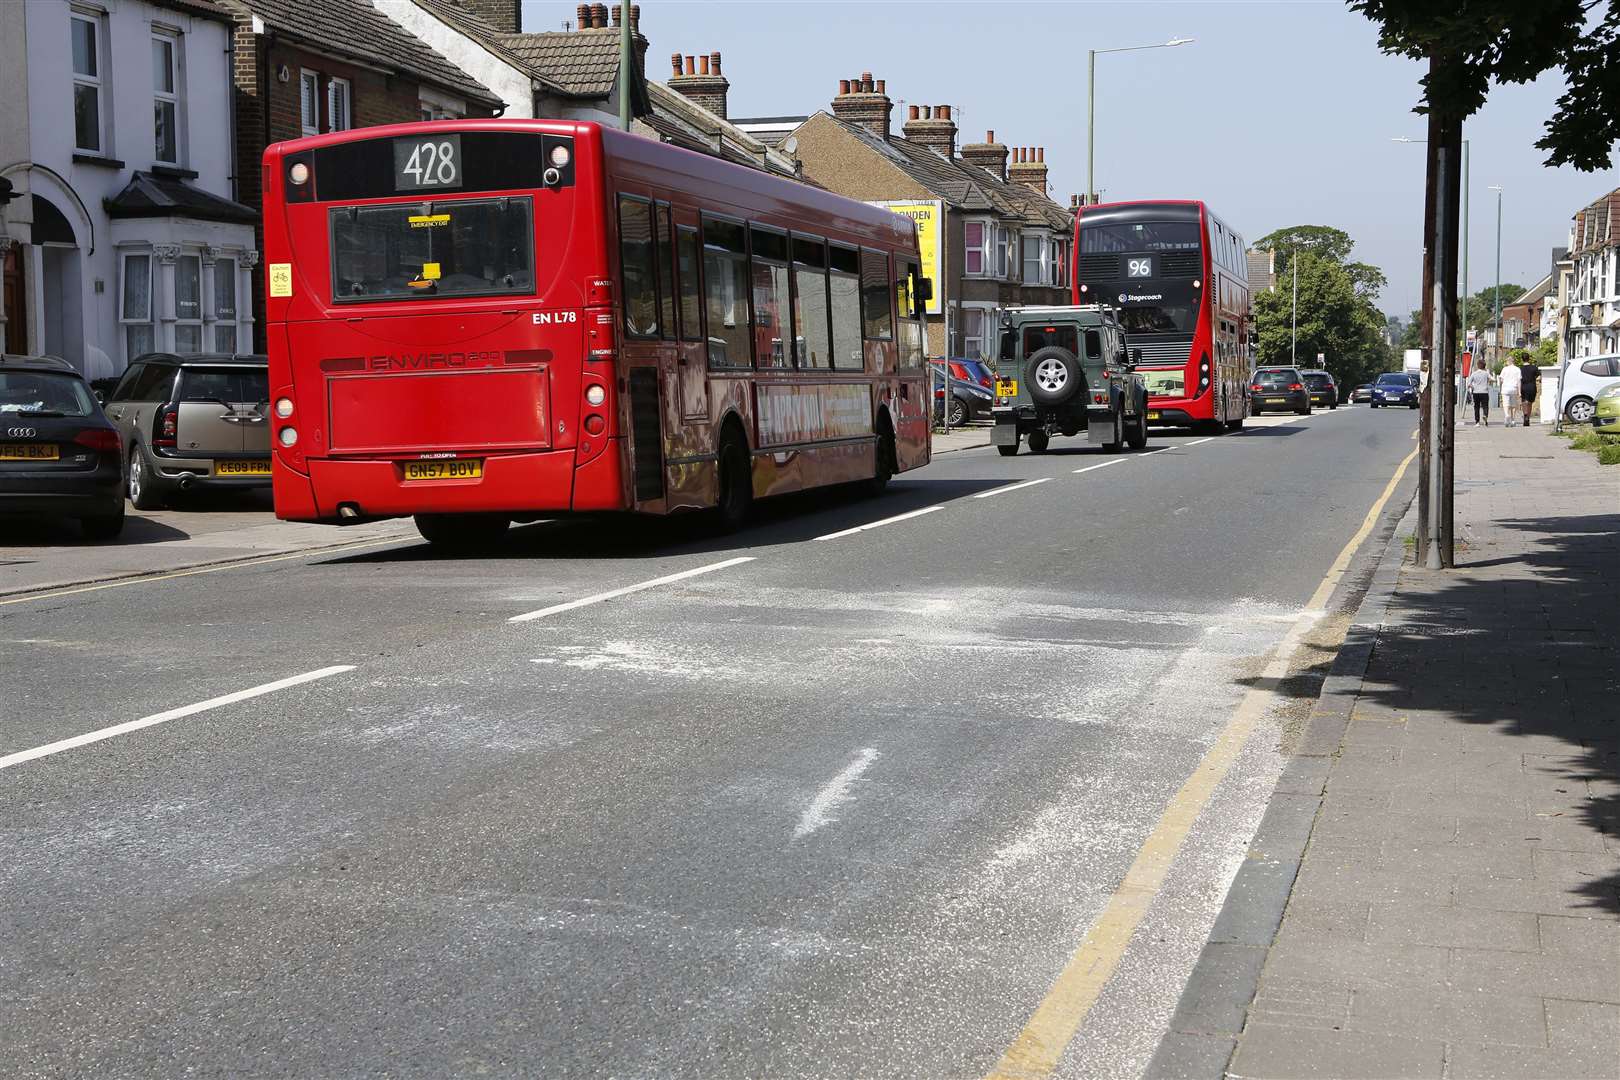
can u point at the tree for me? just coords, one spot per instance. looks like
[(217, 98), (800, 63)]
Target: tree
[(1334, 320), (1324, 240), (1482, 305), (1546, 353)]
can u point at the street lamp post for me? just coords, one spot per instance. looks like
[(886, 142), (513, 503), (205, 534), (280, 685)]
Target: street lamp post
[(1496, 299), (1091, 104), (1464, 259)]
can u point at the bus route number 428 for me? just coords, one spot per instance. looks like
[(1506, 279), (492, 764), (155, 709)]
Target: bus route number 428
[(427, 163)]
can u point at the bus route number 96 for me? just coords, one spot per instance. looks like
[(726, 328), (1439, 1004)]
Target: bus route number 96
[(420, 164)]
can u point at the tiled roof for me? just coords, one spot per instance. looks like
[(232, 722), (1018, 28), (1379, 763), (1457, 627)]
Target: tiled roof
[(962, 185), (679, 119), (469, 23), (355, 29), (770, 130), (1598, 225), (150, 195), (1536, 292), (582, 63)]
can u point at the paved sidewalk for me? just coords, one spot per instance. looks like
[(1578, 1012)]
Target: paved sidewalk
[(962, 438), (1453, 815)]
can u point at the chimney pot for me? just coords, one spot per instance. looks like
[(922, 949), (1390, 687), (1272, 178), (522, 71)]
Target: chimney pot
[(714, 62), (583, 22), (990, 136), (618, 14), (675, 62), (635, 15), (879, 85), (599, 16), (943, 112), (703, 64), (927, 112), (865, 104), (1040, 153), (911, 112), (843, 87), (691, 66)]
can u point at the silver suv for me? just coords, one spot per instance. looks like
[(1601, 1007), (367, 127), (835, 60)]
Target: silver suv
[(192, 423)]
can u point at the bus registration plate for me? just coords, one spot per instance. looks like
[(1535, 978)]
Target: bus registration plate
[(447, 469)]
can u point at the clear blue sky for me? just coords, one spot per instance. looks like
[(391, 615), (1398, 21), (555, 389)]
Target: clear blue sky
[(1279, 114)]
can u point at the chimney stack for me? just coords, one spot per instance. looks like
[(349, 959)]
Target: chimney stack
[(989, 155), (702, 83), (1029, 168), (864, 103), (934, 129)]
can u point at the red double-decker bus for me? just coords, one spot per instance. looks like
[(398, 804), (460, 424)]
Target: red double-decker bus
[(1179, 276), (476, 322)]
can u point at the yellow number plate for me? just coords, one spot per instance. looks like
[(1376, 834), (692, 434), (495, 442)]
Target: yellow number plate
[(28, 452), (448, 469), (241, 468), (1275, 400), (1006, 388), (1153, 414)]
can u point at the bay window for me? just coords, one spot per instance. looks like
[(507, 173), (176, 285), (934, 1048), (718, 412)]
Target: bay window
[(973, 244), (135, 305), (1033, 260), (188, 304), (225, 306)]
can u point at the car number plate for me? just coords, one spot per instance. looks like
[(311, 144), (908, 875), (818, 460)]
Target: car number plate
[(448, 469), (241, 468), (1006, 388), (1275, 400), (1153, 414), (29, 452)]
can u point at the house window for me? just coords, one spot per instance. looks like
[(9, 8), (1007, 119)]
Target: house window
[(1032, 261), (974, 321), (309, 102), (188, 304), (1060, 262), (166, 98), (135, 306), (87, 126), (338, 114), (225, 306), (1004, 240), (438, 107), (973, 243)]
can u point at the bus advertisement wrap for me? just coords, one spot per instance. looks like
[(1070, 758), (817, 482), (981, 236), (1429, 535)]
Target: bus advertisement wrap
[(929, 217), (789, 415)]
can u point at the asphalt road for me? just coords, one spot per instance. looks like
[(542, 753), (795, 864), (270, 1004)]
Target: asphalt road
[(843, 809)]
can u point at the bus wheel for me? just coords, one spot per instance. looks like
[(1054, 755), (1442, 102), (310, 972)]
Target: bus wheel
[(462, 532), (886, 462), (736, 484), (1038, 441)]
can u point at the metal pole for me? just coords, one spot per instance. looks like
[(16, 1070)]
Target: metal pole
[(1466, 325), (1293, 340), (1091, 125), (626, 64), (1498, 297), (1437, 345)]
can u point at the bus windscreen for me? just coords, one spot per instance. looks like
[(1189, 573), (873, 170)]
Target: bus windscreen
[(422, 250), (1140, 236)]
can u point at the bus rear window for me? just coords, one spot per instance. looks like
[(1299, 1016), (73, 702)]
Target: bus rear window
[(472, 247)]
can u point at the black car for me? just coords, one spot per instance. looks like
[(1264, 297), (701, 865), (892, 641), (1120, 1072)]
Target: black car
[(1395, 388), (969, 400), (1322, 388), (59, 454), (1276, 388), (1362, 394)]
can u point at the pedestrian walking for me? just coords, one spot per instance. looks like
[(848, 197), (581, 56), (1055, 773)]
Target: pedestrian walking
[(1509, 383), (1529, 384), (1479, 386)]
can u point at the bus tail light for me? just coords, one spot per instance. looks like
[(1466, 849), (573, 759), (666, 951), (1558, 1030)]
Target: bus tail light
[(165, 428), (595, 395), (1203, 373), (595, 425), (287, 436), (284, 407)]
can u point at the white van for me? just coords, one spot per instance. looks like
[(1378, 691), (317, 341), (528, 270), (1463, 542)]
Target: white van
[(1577, 397)]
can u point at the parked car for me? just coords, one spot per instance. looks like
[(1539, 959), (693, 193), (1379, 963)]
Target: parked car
[(1606, 410), (1322, 388), (1394, 388), (1361, 394), (969, 400), (193, 423), (1275, 388), (975, 371), (59, 454), (1577, 397)]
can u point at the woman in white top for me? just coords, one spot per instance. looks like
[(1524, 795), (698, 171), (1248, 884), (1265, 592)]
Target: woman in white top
[(1509, 380), (1479, 387)]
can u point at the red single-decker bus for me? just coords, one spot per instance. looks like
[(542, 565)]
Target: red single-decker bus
[(476, 322), (1178, 275)]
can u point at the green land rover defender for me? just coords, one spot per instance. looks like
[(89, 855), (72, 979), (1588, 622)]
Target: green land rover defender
[(1064, 370)]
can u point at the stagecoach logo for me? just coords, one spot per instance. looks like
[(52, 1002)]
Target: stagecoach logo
[(544, 318), (1126, 298)]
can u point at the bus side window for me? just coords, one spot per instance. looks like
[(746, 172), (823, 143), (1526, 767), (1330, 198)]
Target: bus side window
[(666, 273), (844, 283), (1093, 344), (877, 317), (769, 267), (811, 311), (908, 306), (638, 267), (725, 292), (686, 253)]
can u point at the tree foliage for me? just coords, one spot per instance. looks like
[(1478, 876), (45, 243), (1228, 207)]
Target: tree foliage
[(1482, 305), (1482, 42), (1337, 316)]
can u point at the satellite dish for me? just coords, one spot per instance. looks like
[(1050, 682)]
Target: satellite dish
[(791, 144)]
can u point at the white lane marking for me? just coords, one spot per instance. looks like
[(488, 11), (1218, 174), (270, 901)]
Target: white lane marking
[(1160, 450), (1195, 442), (879, 524), (163, 717), (1011, 487), (835, 791), (1102, 465), (613, 594)]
